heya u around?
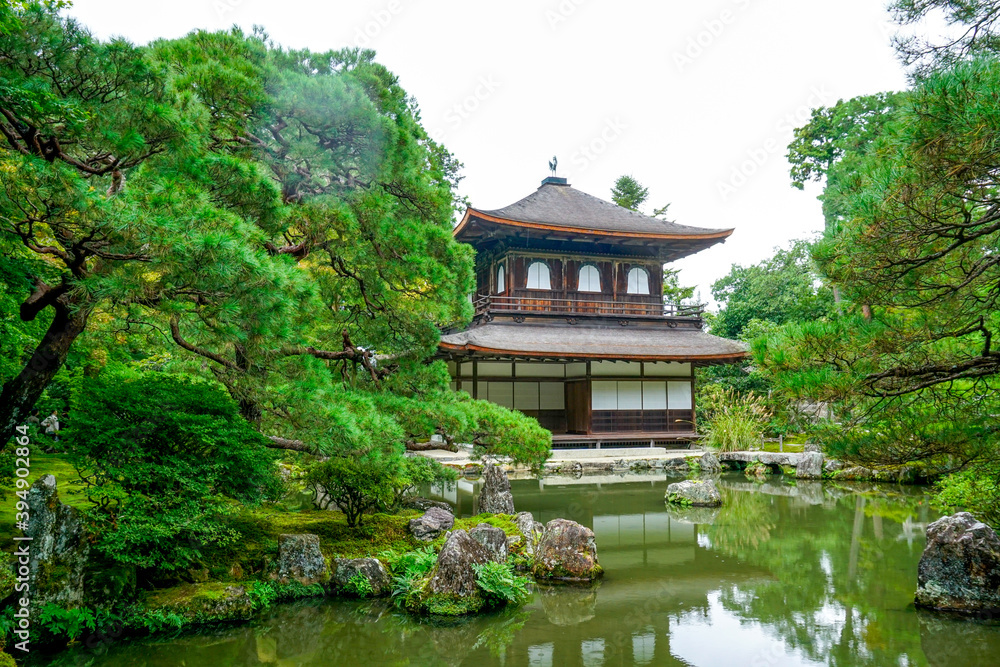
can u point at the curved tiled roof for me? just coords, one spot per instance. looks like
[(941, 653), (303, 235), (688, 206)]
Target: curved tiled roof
[(593, 342), (560, 205)]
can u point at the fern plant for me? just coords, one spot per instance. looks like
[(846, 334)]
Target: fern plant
[(501, 585), (359, 585)]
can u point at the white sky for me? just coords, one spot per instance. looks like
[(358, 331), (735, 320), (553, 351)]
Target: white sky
[(697, 100)]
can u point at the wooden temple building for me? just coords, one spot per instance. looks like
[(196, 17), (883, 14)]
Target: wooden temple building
[(570, 323)]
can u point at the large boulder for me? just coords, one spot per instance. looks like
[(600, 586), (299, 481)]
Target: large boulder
[(209, 602), (696, 493), (960, 567), (451, 588), (496, 497), (493, 539), (710, 464), (361, 577), (434, 521), (300, 559), (58, 550), (812, 447), (453, 573), (568, 552), (810, 466)]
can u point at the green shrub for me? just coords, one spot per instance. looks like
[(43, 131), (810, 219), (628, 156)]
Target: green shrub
[(355, 485), (375, 483), (738, 422), (976, 489), (416, 471), (162, 458)]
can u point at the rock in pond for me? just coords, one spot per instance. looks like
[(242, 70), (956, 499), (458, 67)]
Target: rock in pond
[(493, 539), (361, 577), (710, 464), (531, 532), (433, 522), (676, 466), (452, 589), (696, 493), (213, 601), (496, 497), (300, 559), (832, 465), (568, 552), (59, 547), (960, 567), (810, 466)]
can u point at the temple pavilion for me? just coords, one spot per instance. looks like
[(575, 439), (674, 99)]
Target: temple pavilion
[(570, 324)]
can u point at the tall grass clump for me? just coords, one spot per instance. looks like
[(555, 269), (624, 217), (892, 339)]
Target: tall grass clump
[(738, 422)]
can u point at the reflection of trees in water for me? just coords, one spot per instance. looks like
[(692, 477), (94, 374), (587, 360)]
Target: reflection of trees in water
[(322, 632), (843, 572), (744, 522)]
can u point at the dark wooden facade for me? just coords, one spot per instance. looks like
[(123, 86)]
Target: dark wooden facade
[(603, 363)]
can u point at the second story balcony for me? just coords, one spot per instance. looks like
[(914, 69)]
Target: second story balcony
[(534, 303)]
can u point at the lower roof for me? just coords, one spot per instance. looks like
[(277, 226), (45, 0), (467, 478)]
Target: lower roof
[(583, 341)]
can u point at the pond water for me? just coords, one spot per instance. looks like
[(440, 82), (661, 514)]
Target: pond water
[(783, 574)]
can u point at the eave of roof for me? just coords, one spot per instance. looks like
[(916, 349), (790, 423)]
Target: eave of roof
[(580, 341), (476, 213)]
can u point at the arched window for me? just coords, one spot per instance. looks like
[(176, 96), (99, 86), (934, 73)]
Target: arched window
[(538, 276), (590, 279), (638, 281), (501, 284)]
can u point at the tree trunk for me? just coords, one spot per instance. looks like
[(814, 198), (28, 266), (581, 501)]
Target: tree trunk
[(21, 392), (426, 446)]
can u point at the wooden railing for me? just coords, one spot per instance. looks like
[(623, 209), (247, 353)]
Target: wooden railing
[(519, 304)]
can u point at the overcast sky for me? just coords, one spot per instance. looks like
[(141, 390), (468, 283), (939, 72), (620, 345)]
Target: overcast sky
[(697, 100)]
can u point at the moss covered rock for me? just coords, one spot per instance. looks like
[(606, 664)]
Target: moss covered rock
[(451, 587), (568, 552), (209, 602), (360, 577), (59, 547), (300, 559), (694, 493)]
